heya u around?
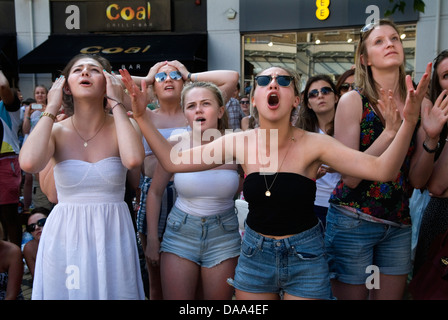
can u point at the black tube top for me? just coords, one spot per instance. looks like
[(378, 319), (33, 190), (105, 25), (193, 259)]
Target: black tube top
[(289, 209)]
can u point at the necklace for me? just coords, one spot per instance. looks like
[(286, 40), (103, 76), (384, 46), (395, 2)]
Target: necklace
[(86, 141), (268, 192)]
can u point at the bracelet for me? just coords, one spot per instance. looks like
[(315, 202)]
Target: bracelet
[(431, 150), (111, 109), (47, 114), (189, 76)]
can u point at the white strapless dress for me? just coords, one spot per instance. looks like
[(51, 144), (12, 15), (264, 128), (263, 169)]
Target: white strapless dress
[(88, 247)]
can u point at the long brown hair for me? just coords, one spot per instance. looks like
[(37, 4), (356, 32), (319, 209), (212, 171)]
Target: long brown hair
[(363, 73), (307, 119), (67, 99)]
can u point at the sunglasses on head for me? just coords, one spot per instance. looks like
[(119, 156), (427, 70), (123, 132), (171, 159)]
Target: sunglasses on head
[(283, 81), (347, 86), (368, 27), (162, 76), (33, 226), (315, 93)]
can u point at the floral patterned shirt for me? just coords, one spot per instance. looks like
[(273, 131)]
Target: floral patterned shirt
[(381, 200)]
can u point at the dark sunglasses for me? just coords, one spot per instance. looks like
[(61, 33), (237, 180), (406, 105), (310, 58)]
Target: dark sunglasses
[(283, 81), (347, 86), (315, 93), (39, 223), (174, 75), (245, 102)]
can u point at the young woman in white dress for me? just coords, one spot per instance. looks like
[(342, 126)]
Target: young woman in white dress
[(88, 247)]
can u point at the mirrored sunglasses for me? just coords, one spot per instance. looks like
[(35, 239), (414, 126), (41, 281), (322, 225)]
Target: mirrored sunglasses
[(282, 81), (368, 27), (162, 76), (33, 226), (315, 93)]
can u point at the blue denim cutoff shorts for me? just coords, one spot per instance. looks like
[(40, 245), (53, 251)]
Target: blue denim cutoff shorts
[(206, 241), (354, 244), (296, 265)]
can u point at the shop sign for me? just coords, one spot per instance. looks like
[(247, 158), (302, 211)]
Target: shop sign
[(323, 11), (110, 16)]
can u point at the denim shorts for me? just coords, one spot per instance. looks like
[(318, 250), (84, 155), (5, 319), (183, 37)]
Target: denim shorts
[(206, 241), (296, 265), (355, 246)]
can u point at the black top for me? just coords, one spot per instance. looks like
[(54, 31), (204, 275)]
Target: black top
[(288, 210)]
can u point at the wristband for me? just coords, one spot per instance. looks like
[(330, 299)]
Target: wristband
[(189, 76), (47, 114), (430, 150), (118, 103)]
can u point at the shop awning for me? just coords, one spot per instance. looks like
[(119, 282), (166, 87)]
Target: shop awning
[(8, 57), (137, 53)]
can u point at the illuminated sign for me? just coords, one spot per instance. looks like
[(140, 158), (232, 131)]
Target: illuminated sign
[(111, 16), (322, 12), (115, 12)]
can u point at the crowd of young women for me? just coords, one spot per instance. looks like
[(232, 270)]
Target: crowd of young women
[(378, 140)]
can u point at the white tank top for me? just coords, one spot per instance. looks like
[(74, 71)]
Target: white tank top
[(206, 193), (166, 132)]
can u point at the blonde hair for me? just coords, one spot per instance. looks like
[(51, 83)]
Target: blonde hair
[(223, 122), (363, 73)]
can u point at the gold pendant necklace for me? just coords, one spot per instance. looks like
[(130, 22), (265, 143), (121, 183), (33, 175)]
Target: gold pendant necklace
[(268, 192), (86, 141)]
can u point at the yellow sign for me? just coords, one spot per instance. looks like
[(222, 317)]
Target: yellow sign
[(322, 12), (114, 12)]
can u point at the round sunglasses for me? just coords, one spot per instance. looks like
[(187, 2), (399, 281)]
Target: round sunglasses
[(40, 223), (315, 93), (162, 76), (282, 81)]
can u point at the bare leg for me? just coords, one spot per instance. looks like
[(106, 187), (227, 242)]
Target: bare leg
[(391, 288), (179, 277), (214, 280), (242, 295), (345, 291)]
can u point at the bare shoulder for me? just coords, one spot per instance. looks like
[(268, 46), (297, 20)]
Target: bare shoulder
[(351, 96)]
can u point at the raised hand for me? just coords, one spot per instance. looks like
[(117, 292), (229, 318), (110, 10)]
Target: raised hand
[(179, 66), (138, 96), (389, 110), (150, 78), (114, 89), (415, 96), (54, 97), (435, 117)]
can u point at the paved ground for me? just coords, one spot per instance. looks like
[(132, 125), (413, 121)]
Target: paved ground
[(27, 283)]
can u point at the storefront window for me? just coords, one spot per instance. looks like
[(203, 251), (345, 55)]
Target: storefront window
[(312, 52)]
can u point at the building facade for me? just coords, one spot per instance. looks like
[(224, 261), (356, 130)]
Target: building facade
[(37, 37)]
